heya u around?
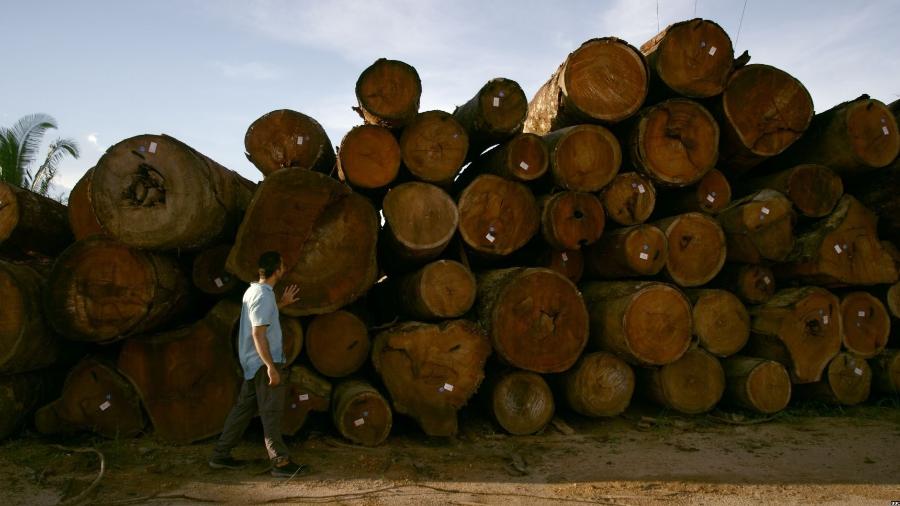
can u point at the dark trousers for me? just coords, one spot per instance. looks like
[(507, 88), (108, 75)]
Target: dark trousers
[(257, 396)]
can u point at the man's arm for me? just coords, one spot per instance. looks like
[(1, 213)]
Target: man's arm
[(288, 296), (262, 348)]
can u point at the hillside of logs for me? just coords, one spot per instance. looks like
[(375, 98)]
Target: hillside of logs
[(668, 222)]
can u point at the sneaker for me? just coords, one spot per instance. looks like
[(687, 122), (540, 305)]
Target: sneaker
[(225, 463), (288, 470)]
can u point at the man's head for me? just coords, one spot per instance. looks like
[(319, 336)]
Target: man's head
[(270, 266)]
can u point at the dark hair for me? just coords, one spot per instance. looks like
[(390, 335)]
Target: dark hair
[(269, 262)]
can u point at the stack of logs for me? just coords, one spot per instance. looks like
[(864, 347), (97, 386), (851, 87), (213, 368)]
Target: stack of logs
[(622, 232)]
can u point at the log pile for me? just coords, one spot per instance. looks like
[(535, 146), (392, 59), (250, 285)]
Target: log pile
[(667, 223)]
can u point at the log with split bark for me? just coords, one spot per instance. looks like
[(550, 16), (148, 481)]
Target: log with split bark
[(288, 139), (756, 384), (31, 224), (360, 413)]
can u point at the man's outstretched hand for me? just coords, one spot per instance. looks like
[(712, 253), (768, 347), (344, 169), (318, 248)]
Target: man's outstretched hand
[(288, 296)]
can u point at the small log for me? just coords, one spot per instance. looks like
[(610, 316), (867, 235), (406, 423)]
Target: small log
[(757, 384), (848, 382), (569, 263), (495, 114), (604, 80), (629, 199), (721, 322), (26, 342), (866, 324), (523, 158), (536, 318), (31, 224), (693, 384), (758, 227), (893, 300), (291, 338), (337, 343), (369, 157), (752, 283), (583, 157), (697, 248), (82, 219), (433, 147), (570, 220), (288, 139), (497, 216), (431, 370), (20, 396), (813, 189), (644, 323), (442, 289), (520, 401), (640, 250), (600, 384), (209, 274), (360, 413), (886, 372), (710, 195), (306, 392), (388, 93), (420, 219)]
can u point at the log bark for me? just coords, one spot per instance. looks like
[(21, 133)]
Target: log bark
[(520, 401), (710, 195), (20, 396), (188, 379), (369, 157), (431, 370), (847, 382), (866, 324), (604, 80), (536, 318), (101, 290), (420, 219), (721, 323), (600, 384), (209, 274), (82, 219), (759, 227), (757, 384), (886, 372), (635, 251), (798, 327), (291, 338), (523, 158), (155, 192), (693, 384), (440, 290), (434, 147), (497, 216), (813, 189), (629, 199), (583, 157), (360, 413), (644, 323), (494, 115), (288, 139), (388, 93), (570, 220), (26, 342), (327, 239), (337, 343), (306, 392), (31, 224), (842, 249), (691, 58), (697, 248), (752, 283), (96, 398)]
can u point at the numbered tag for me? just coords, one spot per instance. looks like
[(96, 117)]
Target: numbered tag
[(359, 421), (496, 101), (303, 397), (565, 257), (641, 188), (644, 256), (523, 165), (218, 282), (712, 51), (105, 406), (152, 147)]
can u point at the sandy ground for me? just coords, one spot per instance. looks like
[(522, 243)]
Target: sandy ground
[(849, 456)]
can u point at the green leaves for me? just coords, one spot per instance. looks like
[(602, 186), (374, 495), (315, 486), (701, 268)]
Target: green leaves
[(19, 149)]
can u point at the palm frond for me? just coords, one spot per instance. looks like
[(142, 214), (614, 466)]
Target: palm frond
[(28, 133), (58, 149)]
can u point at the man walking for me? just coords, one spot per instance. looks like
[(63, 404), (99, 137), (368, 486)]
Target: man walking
[(262, 360)]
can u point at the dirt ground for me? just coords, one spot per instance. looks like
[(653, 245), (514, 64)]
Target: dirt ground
[(803, 456)]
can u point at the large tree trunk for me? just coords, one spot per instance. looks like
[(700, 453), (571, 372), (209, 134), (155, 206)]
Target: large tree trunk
[(209, 274), (26, 342), (696, 248), (360, 413), (570, 220), (536, 318), (645, 323), (721, 322), (848, 382), (886, 372), (641, 250), (759, 227), (710, 195), (757, 384), (583, 157), (442, 289), (306, 392), (495, 114), (520, 401), (155, 192), (692, 384), (752, 283), (420, 220), (599, 384), (325, 233), (188, 379), (604, 80), (497, 216), (82, 219), (434, 147), (629, 199), (101, 291), (523, 158), (337, 344), (813, 189), (369, 157), (20, 396), (866, 324), (431, 370), (388, 93), (288, 139), (31, 224)]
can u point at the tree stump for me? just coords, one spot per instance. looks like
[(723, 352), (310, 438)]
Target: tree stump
[(523, 158), (848, 382), (710, 195), (288, 139), (600, 384), (752, 283), (866, 324), (635, 251), (337, 343), (31, 224), (570, 220), (20, 395), (82, 219), (360, 413), (497, 216), (813, 189), (209, 273), (306, 392), (721, 322), (757, 384), (697, 248), (26, 342), (369, 157), (520, 401), (388, 93), (420, 219), (758, 227), (434, 147), (886, 372), (495, 114), (440, 290), (693, 384), (629, 199), (583, 157)]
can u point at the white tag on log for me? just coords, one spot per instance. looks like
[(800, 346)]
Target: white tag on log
[(523, 165), (861, 314), (152, 147), (218, 282), (293, 406), (710, 198), (565, 257), (644, 256), (885, 130), (712, 51), (359, 421), (448, 387), (300, 140), (641, 188), (825, 319), (303, 397), (766, 280), (105, 406), (837, 249), (490, 237), (858, 371), (496, 101), (765, 210)]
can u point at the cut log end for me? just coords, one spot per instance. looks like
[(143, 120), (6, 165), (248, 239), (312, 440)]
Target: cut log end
[(753, 283), (693, 384), (886, 372), (571, 220), (337, 343), (584, 157), (591, 88), (361, 413), (369, 157), (692, 58), (893, 300), (82, 219), (713, 192), (524, 158), (305, 392), (641, 250), (434, 146), (600, 384), (696, 248), (388, 93), (441, 289), (721, 322), (866, 324), (502, 106), (759, 227), (569, 263), (757, 384), (814, 189), (848, 381), (872, 130), (521, 402), (209, 274), (629, 199), (421, 219), (285, 138), (497, 216)]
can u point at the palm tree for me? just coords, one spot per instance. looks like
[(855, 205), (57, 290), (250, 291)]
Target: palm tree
[(19, 147)]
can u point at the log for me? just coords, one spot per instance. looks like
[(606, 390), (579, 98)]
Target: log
[(752, 283), (95, 398), (306, 392), (520, 401), (600, 384), (629, 199), (756, 384), (494, 115), (848, 382), (188, 378), (570, 220), (878, 192), (798, 327), (208, 271), (842, 249), (325, 233), (813, 189), (710, 195), (20, 395), (337, 343), (433, 147), (291, 338), (696, 248), (155, 192), (720, 321), (523, 158), (644, 323), (440, 290), (675, 142), (569, 263), (893, 300), (583, 157), (886, 372), (431, 370), (31, 224), (26, 342), (762, 111), (388, 93), (635, 251), (866, 324), (497, 216), (369, 157), (82, 219), (693, 384), (758, 227), (536, 319), (360, 413), (288, 139), (101, 291), (420, 219), (691, 58), (604, 80)]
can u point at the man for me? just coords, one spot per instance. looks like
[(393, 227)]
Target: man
[(262, 360)]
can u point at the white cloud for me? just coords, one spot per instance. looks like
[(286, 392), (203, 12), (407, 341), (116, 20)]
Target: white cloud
[(255, 71)]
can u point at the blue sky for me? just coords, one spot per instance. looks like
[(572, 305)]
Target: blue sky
[(202, 71)]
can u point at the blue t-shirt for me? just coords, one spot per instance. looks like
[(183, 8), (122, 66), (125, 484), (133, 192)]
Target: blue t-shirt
[(259, 308)]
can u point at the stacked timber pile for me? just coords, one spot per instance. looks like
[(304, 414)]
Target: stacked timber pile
[(666, 222)]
